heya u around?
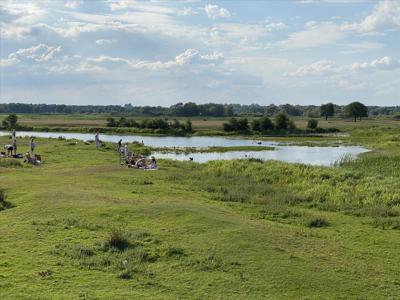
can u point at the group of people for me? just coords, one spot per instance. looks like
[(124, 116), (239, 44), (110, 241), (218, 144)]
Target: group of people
[(13, 147), (133, 160), (128, 158)]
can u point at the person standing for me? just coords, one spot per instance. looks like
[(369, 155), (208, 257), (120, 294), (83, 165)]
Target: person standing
[(97, 139), (126, 151), (32, 145), (14, 141), (120, 145)]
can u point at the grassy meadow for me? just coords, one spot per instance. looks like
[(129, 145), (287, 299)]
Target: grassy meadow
[(80, 226), (201, 125)]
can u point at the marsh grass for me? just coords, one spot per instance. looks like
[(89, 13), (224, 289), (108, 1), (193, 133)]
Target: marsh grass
[(368, 186)]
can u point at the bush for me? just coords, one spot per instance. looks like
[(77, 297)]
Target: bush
[(317, 222), (117, 239), (4, 204), (125, 274), (256, 125), (312, 124), (236, 125), (281, 121), (266, 124), (10, 122)]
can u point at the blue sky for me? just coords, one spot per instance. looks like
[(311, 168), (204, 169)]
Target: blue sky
[(163, 52)]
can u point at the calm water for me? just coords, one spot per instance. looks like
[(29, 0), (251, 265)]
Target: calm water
[(295, 154)]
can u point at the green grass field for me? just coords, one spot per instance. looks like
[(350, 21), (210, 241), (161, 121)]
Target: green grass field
[(81, 226), (202, 125)]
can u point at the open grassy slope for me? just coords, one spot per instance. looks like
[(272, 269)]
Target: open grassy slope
[(223, 230)]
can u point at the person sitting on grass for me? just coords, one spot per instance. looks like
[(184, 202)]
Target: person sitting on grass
[(153, 164)]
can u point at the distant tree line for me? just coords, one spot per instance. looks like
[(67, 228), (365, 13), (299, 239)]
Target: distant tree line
[(281, 123), (160, 124), (191, 109)]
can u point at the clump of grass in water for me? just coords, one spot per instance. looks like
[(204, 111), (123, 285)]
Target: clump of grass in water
[(345, 159), (4, 204)]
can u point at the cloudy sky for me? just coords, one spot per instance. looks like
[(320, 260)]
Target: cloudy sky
[(161, 52)]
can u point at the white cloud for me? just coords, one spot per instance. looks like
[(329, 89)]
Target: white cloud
[(315, 35), (186, 11), (144, 6), (275, 26), (10, 61), (315, 69), (74, 4), (216, 12), (325, 67), (366, 45), (385, 63), (102, 62), (39, 53), (104, 42), (386, 15)]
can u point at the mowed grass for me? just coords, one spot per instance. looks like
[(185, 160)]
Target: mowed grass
[(82, 226)]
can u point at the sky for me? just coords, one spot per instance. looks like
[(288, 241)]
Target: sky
[(164, 52)]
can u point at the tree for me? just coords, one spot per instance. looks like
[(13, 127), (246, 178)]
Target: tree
[(243, 125), (236, 125), (111, 122), (281, 121), (356, 110), (10, 122), (122, 122), (266, 124), (291, 126), (327, 110), (189, 127), (312, 124), (229, 111), (256, 125)]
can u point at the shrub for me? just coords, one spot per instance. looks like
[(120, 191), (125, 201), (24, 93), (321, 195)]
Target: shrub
[(266, 124), (117, 239), (4, 204), (317, 222), (125, 274), (256, 125), (312, 124), (236, 125), (281, 121)]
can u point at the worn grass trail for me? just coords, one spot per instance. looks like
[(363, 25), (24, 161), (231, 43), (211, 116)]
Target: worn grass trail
[(195, 246)]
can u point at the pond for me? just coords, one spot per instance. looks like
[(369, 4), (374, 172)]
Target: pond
[(324, 156)]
